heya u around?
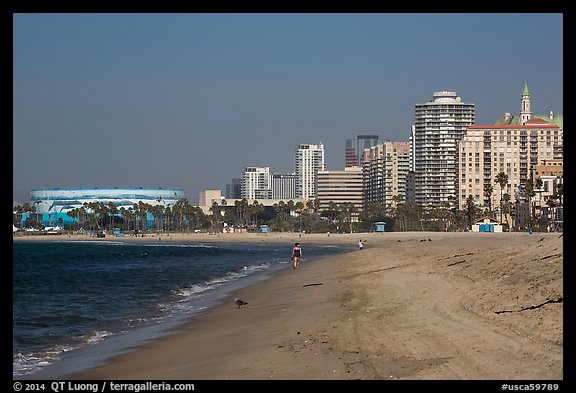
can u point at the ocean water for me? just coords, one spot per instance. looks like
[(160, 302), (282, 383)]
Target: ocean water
[(71, 295)]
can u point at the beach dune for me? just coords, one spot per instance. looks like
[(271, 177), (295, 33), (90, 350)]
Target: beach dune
[(412, 305)]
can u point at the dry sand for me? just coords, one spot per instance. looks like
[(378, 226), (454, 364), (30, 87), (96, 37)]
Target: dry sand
[(412, 306)]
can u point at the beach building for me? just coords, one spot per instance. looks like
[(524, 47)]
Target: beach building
[(233, 190), (207, 198), (384, 172), (283, 186), (256, 183), (438, 126), (486, 224), (522, 147), (53, 204), (355, 148), (308, 161), (341, 187), (526, 114), (485, 151)]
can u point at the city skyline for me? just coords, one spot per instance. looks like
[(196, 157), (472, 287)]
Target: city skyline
[(188, 101)]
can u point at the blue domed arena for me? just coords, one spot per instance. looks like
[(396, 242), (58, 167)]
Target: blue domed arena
[(53, 204)]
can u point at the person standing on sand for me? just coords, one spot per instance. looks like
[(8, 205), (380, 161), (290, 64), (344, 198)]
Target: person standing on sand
[(360, 245), (296, 255)]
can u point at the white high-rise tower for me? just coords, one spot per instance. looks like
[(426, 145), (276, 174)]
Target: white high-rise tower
[(308, 161), (256, 183), (438, 127)]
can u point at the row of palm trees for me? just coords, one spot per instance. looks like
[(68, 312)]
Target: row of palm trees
[(296, 216), (94, 216), (529, 191), (182, 216)]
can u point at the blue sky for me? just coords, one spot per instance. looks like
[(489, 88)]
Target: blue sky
[(189, 100)]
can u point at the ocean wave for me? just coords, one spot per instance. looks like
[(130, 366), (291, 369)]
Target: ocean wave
[(245, 271), (97, 242), (28, 363), (175, 245), (186, 296)]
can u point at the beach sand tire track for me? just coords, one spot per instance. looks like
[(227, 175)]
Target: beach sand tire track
[(426, 328)]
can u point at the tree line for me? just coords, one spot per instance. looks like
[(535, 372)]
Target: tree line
[(298, 216)]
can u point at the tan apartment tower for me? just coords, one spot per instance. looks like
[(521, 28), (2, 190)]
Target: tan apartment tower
[(384, 173)]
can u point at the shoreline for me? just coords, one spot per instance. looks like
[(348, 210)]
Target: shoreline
[(176, 238), (86, 357), (413, 305)]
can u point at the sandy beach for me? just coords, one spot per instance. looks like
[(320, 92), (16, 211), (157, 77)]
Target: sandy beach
[(409, 306)]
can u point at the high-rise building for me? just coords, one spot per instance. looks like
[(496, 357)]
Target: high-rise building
[(309, 160), (341, 187), (284, 186), (517, 151), (355, 148), (522, 147), (438, 126), (234, 189), (256, 183), (384, 173)]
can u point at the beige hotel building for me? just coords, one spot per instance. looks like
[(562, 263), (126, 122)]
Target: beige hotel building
[(385, 168), (341, 187), (522, 147)]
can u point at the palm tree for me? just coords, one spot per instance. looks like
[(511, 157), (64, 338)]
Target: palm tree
[(112, 211), (529, 193), (280, 210), (488, 191), (348, 210), (180, 210), (254, 210), (157, 211), (74, 213), (100, 211), (17, 213), (502, 180), (314, 205), (167, 219), (241, 206), (470, 209), (299, 206), (507, 198), (36, 210), (332, 210), (538, 188), (124, 212), (441, 213), (215, 209), (560, 192), (142, 209)]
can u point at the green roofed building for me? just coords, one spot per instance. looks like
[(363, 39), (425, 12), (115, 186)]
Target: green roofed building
[(526, 115)]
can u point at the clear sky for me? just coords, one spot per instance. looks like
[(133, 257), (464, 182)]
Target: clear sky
[(189, 100)]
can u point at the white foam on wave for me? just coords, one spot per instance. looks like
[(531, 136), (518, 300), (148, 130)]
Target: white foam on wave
[(96, 337), (28, 363), (187, 295), (177, 245), (99, 242)]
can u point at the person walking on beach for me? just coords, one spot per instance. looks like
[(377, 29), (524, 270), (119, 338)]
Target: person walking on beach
[(360, 245), (296, 255)]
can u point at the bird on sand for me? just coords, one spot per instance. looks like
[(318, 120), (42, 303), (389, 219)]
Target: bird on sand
[(240, 303)]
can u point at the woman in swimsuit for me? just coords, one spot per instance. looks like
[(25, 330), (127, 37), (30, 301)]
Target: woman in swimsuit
[(296, 255)]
